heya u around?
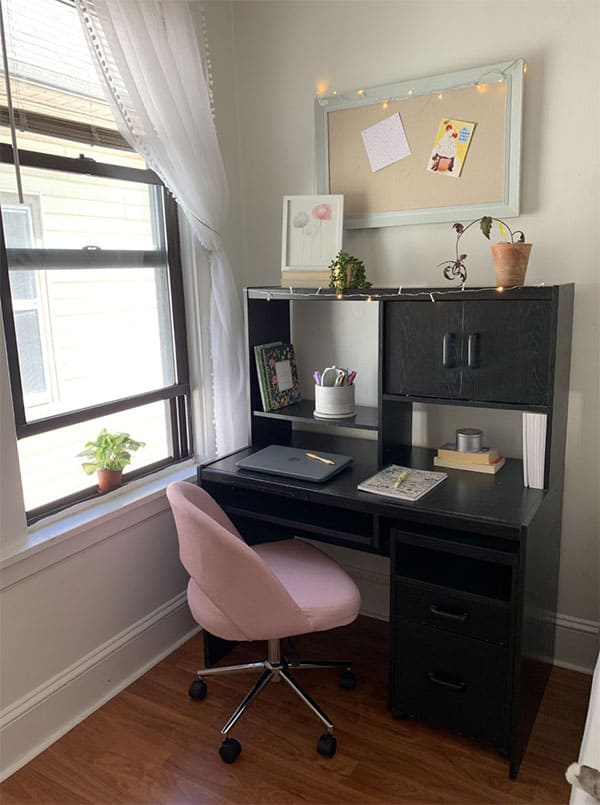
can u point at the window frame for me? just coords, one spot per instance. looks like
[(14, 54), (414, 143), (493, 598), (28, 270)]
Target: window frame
[(177, 394)]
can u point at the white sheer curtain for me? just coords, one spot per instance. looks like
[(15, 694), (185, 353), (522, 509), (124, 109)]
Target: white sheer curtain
[(149, 53)]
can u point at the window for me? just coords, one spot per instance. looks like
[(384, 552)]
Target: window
[(18, 223), (91, 286)]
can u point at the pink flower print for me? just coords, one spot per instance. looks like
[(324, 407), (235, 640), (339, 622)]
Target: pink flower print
[(322, 212)]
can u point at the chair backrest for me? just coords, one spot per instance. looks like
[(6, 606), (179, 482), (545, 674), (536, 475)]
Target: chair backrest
[(227, 571)]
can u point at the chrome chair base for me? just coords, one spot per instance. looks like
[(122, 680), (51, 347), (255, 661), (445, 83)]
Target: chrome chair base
[(275, 668)]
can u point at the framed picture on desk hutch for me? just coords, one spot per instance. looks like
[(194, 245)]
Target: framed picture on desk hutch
[(311, 236)]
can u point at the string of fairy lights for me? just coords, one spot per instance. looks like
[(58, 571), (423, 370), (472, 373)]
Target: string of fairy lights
[(399, 92), (370, 296)]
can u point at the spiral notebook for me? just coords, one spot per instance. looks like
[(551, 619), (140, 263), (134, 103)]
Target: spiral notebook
[(402, 483)]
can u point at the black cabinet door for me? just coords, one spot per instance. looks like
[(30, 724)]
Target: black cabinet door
[(506, 347), (490, 351), (423, 349)]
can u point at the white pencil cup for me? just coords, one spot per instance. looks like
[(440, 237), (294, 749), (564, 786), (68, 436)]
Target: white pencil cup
[(334, 402)]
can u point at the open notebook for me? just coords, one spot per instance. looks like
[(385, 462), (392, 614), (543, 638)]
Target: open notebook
[(293, 462)]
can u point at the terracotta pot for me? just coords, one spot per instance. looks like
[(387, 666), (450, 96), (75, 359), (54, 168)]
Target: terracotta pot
[(510, 262), (109, 479)]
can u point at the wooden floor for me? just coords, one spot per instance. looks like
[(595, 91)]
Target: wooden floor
[(152, 744)]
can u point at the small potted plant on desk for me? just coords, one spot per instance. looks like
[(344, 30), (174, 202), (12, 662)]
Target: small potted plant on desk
[(107, 456), (510, 256)]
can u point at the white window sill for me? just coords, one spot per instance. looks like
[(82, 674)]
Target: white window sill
[(57, 537)]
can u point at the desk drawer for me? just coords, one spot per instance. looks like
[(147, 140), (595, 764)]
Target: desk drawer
[(449, 610), (256, 513), (450, 680)]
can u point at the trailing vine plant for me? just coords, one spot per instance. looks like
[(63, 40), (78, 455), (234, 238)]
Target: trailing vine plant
[(456, 268)]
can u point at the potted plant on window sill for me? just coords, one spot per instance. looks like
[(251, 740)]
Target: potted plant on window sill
[(107, 456), (510, 256)]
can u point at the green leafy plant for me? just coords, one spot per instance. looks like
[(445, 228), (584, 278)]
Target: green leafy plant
[(109, 451), (346, 271), (456, 269)]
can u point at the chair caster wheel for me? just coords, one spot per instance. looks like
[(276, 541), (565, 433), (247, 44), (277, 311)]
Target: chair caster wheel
[(198, 690), (230, 750), (348, 680), (327, 745)]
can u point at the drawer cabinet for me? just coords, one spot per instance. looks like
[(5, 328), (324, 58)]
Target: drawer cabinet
[(451, 632)]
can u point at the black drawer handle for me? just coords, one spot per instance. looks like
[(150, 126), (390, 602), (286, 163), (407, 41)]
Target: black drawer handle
[(450, 615), (448, 351), (473, 350), (453, 684)]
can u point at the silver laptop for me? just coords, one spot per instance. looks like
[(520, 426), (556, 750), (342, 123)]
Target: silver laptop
[(294, 462)]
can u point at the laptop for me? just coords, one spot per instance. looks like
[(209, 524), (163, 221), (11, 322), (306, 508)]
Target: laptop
[(294, 462)]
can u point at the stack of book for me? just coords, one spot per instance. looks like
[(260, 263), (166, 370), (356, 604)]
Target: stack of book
[(277, 375), (484, 460)]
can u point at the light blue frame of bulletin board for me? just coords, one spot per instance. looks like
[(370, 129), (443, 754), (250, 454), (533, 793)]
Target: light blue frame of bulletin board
[(503, 83)]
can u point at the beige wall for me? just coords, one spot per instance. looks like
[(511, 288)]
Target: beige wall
[(283, 48)]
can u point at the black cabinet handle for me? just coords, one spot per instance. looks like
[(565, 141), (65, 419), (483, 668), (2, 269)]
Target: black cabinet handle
[(448, 614), (448, 351), (473, 350), (451, 683)]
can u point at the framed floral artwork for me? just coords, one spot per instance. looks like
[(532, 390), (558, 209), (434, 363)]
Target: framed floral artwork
[(311, 232)]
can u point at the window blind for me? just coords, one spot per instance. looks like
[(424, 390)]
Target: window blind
[(55, 87)]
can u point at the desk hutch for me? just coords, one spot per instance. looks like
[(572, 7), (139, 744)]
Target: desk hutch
[(474, 563)]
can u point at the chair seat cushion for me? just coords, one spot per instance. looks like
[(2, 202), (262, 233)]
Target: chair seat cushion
[(322, 590)]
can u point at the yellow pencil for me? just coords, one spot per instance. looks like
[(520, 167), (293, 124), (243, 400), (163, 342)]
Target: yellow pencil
[(320, 458), (400, 478)]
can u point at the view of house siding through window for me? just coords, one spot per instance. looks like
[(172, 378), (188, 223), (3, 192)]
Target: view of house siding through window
[(89, 280), (90, 334)]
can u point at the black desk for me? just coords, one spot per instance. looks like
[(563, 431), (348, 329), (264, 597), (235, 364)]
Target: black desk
[(474, 563), (460, 654)]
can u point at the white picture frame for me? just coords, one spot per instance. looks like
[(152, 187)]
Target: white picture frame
[(311, 234)]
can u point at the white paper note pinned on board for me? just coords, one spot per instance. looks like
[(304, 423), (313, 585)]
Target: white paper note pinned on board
[(385, 142)]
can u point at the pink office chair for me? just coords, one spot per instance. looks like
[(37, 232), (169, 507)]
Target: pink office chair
[(264, 592)]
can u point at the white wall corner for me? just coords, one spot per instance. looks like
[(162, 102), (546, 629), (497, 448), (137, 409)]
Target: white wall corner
[(34, 722)]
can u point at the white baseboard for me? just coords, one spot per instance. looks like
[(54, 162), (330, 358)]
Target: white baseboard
[(31, 724), (576, 639), (577, 643)]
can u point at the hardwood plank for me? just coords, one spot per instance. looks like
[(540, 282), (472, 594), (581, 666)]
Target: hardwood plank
[(152, 744)]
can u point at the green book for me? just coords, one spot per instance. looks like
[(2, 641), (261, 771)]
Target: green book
[(278, 377), (260, 373)]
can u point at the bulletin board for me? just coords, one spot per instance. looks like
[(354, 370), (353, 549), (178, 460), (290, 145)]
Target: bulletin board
[(406, 191)]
